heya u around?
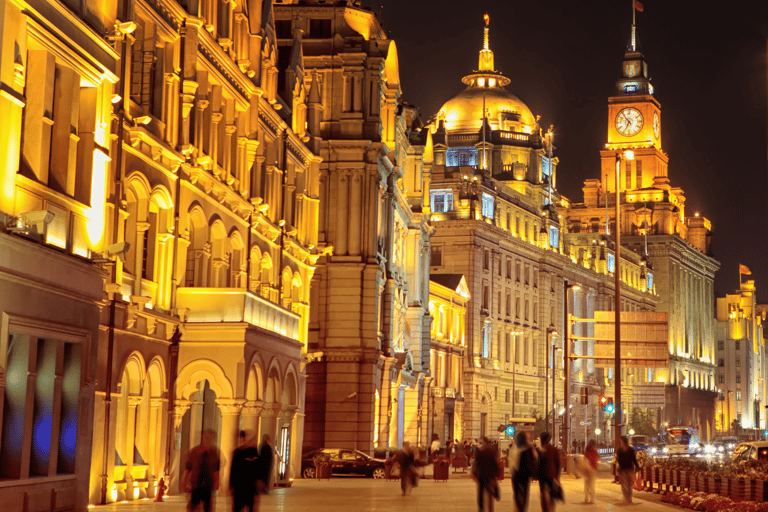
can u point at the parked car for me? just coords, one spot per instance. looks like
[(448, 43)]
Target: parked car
[(754, 450), (343, 462)]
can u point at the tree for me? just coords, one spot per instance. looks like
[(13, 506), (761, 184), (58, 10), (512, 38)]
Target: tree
[(540, 425), (642, 422)]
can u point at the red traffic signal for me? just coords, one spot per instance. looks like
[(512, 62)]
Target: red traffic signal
[(603, 400)]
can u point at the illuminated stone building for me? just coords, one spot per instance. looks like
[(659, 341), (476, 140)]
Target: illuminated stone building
[(448, 297), (499, 222), (741, 360), (369, 332), (164, 130), (653, 223)]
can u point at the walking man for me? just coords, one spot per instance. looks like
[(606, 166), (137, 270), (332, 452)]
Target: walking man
[(627, 464), (243, 475), (201, 472), (549, 474), (485, 471)]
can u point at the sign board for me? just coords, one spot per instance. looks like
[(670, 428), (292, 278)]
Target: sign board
[(644, 339), (585, 423)]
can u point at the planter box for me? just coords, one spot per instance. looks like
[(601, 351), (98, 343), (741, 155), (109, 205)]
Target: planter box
[(648, 478), (676, 478), (323, 471), (441, 472), (703, 483), (685, 480), (714, 484), (738, 489), (694, 481), (759, 490)]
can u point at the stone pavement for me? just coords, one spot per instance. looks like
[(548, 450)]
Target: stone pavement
[(367, 495)]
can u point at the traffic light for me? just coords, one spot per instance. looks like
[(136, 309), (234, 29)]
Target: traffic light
[(510, 430), (584, 396), (608, 405), (603, 400)]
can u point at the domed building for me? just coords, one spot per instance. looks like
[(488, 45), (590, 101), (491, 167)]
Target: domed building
[(499, 222)]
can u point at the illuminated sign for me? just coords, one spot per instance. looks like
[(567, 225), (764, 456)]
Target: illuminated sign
[(630, 88)]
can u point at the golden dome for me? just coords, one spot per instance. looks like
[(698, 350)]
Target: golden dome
[(505, 111)]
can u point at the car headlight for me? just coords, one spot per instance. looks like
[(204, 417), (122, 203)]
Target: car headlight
[(652, 450), (709, 449), (719, 448), (666, 449)]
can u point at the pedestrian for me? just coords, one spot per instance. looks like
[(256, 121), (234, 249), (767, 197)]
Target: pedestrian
[(434, 447), (408, 475), (627, 464), (523, 461), (590, 471), (485, 471), (549, 474), (266, 462), (201, 472), (243, 474)]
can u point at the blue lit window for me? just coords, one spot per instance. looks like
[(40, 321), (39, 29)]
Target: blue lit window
[(649, 280), (630, 88), (611, 263), (486, 340), (441, 200), (464, 156), (554, 236), (488, 205)]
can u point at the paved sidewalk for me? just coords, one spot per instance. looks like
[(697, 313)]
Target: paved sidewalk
[(367, 495)]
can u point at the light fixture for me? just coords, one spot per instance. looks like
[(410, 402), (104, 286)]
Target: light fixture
[(116, 98), (143, 120)]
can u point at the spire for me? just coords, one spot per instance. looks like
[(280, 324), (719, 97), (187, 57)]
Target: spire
[(486, 55), (428, 156)]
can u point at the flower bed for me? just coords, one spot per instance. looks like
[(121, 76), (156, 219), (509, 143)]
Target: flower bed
[(712, 502)]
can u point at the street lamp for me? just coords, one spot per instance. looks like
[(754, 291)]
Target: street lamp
[(628, 155), (550, 332), (567, 361)]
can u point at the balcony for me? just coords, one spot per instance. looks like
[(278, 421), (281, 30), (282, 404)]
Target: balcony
[(236, 305)]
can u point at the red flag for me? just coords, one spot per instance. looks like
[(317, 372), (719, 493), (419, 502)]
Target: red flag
[(638, 6), (743, 269)]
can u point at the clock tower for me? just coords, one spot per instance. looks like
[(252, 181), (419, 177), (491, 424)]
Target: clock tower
[(634, 122)]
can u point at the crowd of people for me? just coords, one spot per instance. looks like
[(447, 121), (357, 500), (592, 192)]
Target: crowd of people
[(251, 470)]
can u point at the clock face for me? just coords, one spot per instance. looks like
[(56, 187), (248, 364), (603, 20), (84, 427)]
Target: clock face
[(629, 121), (656, 125)]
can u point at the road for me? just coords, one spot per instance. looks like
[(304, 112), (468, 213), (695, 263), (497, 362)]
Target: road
[(367, 495)]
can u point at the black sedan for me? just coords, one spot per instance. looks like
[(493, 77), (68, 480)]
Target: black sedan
[(343, 462)]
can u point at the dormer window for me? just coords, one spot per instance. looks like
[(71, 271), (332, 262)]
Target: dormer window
[(491, 82), (481, 82)]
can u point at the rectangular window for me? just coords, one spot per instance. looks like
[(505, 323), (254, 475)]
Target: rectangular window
[(498, 303), (42, 392), (517, 271), (721, 379), (486, 298), (525, 352), (486, 259), (738, 396), (486, 340), (525, 397), (738, 362), (517, 225), (319, 29), (517, 307), (554, 237), (509, 268), (283, 29), (628, 174), (508, 305), (441, 200), (737, 345), (527, 275), (488, 205), (517, 349), (533, 398), (507, 347), (535, 277), (535, 312), (738, 378), (509, 221), (639, 174), (517, 396), (525, 311), (506, 398), (436, 256), (610, 263)]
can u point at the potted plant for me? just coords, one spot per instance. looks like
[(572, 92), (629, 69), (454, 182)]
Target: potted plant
[(322, 462)]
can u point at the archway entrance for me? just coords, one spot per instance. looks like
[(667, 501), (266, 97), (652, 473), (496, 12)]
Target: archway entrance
[(203, 414)]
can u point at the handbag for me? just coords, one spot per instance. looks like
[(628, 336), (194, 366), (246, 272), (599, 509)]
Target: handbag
[(557, 491)]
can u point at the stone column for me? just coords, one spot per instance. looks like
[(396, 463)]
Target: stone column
[(342, 215), (230, 421), (201, 106), (355, 209), (130, 444), (213, 145), (229, 163), (347, 93), (357, 100), (249, 417), (173, 481), (156, 455), (138, 263)]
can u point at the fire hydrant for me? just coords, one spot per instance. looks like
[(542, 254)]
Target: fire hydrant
[(161, 487)]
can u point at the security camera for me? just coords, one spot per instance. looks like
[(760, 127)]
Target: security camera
[(39, 218), (142, 120), (119, 249), (127, 27)]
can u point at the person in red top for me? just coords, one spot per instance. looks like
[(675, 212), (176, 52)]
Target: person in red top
[(549, 474), (201, 472), (590, 471)]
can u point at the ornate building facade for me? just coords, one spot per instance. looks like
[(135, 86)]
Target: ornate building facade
[(160, 216), (369, 332), (654, 224), (500, 222), (741, 361)]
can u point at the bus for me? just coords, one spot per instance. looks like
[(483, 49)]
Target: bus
[(682, 441)]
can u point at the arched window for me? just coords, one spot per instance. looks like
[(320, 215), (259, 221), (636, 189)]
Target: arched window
[(255, 272), (266, 275)]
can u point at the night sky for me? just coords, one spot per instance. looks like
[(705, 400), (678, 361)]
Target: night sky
[(707, 65)]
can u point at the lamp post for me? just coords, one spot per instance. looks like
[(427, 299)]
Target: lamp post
[(629, 155), (566, 362), (550, 332)]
